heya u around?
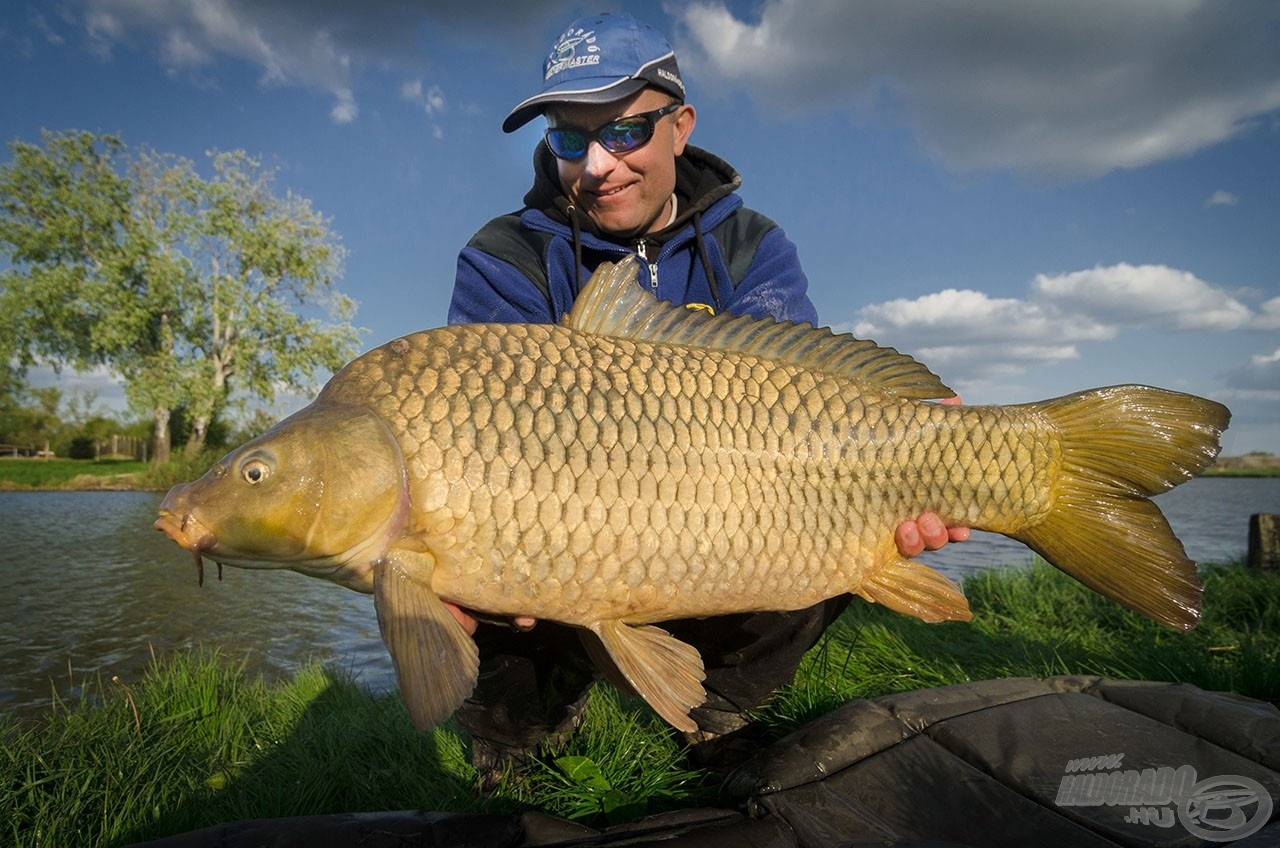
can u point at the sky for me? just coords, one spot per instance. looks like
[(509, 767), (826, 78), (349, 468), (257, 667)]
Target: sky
[(1032, 197)]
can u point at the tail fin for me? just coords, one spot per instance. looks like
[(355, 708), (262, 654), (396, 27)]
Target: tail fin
[(1121, 445)]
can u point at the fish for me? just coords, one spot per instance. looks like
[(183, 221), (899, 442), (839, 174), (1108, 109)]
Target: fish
[(641, 462)]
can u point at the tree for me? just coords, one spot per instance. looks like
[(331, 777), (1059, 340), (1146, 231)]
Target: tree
[(188, 288), (259, 257)]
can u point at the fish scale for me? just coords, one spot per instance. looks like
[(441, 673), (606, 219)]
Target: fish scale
[(611, 467), (643, 462)]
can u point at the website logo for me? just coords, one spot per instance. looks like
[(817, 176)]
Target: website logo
[(1217, 809)]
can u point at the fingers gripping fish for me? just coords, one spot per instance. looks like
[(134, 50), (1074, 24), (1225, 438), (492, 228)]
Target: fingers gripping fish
[(642, 462)]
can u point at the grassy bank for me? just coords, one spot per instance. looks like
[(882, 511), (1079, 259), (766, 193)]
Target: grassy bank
[(99, 474), (198, 741), (1267, 471), (70, 473)]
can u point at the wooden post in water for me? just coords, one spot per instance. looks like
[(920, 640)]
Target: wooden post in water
[(1264, 541)]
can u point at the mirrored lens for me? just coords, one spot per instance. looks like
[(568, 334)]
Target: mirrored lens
[(626, 134), (567, 144)]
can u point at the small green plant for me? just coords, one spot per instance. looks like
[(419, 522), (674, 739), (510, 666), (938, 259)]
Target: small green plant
[(622, 764)]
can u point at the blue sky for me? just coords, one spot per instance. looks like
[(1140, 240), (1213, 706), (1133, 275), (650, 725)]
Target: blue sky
[(1031, 197)]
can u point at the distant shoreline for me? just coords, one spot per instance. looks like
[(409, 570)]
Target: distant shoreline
[(1248, 465)]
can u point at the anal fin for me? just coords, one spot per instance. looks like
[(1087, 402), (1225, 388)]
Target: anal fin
[(660, 668), (435, 658), (906, 586)]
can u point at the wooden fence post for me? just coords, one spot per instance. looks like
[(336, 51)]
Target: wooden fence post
[(1264, 541)]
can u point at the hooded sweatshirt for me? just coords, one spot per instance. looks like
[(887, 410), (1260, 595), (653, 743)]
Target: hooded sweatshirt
[(529, 265)]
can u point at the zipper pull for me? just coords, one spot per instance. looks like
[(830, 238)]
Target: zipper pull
[(642, 252)]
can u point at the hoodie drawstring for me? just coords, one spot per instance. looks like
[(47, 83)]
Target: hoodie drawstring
[(577, 248), (706, 260)]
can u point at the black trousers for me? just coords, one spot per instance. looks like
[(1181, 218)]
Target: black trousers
[(532, 685)]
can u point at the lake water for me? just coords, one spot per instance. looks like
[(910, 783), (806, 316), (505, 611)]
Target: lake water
[(88, 588)]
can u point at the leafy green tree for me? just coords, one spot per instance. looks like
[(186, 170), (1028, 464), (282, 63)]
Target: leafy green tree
[(259, 257), (189, 288)]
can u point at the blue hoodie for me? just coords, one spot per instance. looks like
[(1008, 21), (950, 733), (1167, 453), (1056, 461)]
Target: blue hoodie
[(528, 266)]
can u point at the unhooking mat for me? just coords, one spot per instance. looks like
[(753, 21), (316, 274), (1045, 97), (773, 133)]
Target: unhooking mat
[(1076, 762)]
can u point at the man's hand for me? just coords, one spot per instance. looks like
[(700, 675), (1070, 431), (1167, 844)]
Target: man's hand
[(926, 533), (469, 622)]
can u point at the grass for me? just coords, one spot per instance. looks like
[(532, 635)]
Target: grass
[(199, 741), (1236, 471), (67, 473), (82, 474), (1037, 622)]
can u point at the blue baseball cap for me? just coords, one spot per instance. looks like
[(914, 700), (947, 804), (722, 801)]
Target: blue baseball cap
[(600, 59)]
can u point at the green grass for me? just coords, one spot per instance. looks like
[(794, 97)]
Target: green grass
[(65, 473), (1038, 622), (198, 741), (78, 474), (1254, 471)]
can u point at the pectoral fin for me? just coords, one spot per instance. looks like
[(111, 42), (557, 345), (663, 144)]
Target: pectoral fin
[(664, 671), (436, 660), (908, 587)]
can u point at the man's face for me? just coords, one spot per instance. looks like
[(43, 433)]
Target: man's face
[(625, 194)]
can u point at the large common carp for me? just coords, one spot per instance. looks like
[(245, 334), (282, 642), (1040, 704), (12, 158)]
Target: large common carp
[(643, 462)]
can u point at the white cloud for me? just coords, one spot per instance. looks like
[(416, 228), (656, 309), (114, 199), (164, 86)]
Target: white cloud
[(291, 44), (1222, 198), (1144, 294), (1268, 317), (431, 100), (324, 46), (970, 315), (1058, 89), (977, 337), (344, 110), (974, 336)]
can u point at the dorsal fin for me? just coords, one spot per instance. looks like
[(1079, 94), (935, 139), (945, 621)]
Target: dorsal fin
[(613, 304)]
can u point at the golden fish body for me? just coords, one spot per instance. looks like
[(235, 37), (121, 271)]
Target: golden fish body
[(643, 462), (578, 478)]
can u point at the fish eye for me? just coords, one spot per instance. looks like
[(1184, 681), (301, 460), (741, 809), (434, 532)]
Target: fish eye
[(255, 471)]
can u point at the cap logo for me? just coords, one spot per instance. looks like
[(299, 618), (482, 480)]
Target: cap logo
[(671, 78), (577, 47)]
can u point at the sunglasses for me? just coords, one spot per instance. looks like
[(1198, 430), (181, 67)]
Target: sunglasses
[(618, 136)]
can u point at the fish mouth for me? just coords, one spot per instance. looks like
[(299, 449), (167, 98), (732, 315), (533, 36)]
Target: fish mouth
[(187, 531)]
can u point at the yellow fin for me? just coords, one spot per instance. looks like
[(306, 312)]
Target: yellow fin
[(908, 587), (660, 668), (1120, 444), (435, 658), (613, 304)]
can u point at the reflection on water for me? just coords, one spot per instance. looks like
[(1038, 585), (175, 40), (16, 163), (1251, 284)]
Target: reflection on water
[(88, 585)]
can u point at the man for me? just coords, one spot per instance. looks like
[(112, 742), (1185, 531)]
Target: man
[(615, 176)]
